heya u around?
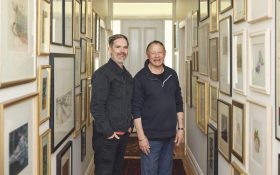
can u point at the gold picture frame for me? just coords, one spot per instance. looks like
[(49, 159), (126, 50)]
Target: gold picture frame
[(239, 11), (213, 102), (89, 115), (236, 170), (214, 16), (202, 105), (45, 153), (78, 114)]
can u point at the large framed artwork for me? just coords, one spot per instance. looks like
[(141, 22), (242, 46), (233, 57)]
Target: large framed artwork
[(45, 153), (239, 62), (83, 16), (89, 19), (239, 11), (236, 170), (62, 121), (225, 62), (64, 160), (83, 143), (213, 104), (57, 22), (212, 151), (259, 10), (83, 44), (17, 133), (203, 49), (189, 82), (76, 20), (224, 129), (17, 61), (238, 130), (77, 66), (78, 114), (225, 5), (203, 9), (214, 16), (194, 79), (43, 27), (68, 23), (213, 58), (202, 105), (194, 28), (44, 87), (259, 61)]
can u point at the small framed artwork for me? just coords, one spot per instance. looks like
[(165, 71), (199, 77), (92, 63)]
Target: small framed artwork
[(214, 58), (189, 82), (239, 62), (83, 143), (93, 27), (83, 44), (225, 56), (78, 114), (45, 153), (77, 66), (64, 160), (89, 19), (83, 17), (203, 48), (236, 170), (68, 23), (76, 20), (57, 22), (84, 101), (259, 61), (98, 34), (194, 28), (239, 11), (44, 87), (196, 61), (89, 91), (259, 10), (259, 138), (89, 59), (212, 151), (214, 16), (202, 105), (203, 9), (213, 104), (194, 79), (224, 129), (225, 5), (238, 130), (18, 153)]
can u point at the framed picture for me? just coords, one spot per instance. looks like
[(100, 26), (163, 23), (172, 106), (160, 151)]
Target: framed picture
[(83, 17), (213, 104), (64, 160), (259, 61), (194, 79), (238, 130), (89, 59), (68, 23), (62, 121), (83, 44), (89, 91), (214, 16), (239, 11), (214, 58), (97, 34), (225, 56), (259, 138), (189, 82), (45, 153), (76, 20), (57, 22), (259, 10), (83, 143), (202, 105), (84, 101), (77, 66), (239, 62), (18, 153), (89, 19), (236, 170), (194, 28), (225, 5), (44, 88), (17, 61), (43, 27), (93, 28), (212, 151), (224, 130), (203, 9), (78, 114), (203, 49)]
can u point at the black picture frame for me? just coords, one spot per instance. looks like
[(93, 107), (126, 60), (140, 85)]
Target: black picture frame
[(212, 150), (83, 143), (83, 17), (66, 154), (68, 22), (57, 28)]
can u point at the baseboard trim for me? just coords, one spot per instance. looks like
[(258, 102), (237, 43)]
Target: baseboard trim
[(193, 161), (90, 167)]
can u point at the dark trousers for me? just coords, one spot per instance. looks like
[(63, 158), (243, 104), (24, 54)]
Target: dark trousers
[(109, 154)]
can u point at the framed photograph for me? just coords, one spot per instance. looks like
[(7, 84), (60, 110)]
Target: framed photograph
[(259, 61), (194, 28), (43, 27), (68, 23), (225, 5), (83, 16), (17, 60), (83, 44), (57, 22), (44, 88), (84, 101), (240, 62), (194, 79), (203, 9), (225, 56), (214, 16), (236, 170), (238, 130), (77, 66), (78, 114), (203, 49), (62, 121), (213, 104), (189, 82), (224, 130), (212, 151), (239, 11), (259, 10), (18, 153), (76, 20), (97, 34), (83, 143), (202, 105), (45, 153), (64, 160), (89, 19), (213, 59), (260, 138)]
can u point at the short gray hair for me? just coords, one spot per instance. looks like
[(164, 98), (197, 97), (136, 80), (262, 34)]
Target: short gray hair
[(116, 36)]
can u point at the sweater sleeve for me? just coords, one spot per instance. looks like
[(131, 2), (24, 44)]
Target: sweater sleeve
[(178, 96), (137, 98)]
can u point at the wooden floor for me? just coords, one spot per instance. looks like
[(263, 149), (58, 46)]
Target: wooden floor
[(180, 154)]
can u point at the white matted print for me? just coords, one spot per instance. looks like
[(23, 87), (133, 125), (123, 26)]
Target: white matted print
[(259, 10)]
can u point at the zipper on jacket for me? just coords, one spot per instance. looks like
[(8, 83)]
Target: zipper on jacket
[(162, 84)]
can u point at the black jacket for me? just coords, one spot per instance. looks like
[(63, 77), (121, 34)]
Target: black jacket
[(157, 102), (111, 99)]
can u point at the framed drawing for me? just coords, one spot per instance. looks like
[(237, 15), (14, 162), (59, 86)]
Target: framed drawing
[(239, 11), (84, 101), (259, 10), (18, 153), (203, 49), (213, 104), (76, 20), (194, 79), (57, 22), (225, 56), (68, 23), (212, 151), (225, 5), (45, 153), (214, 16), (62, 121), (259, 138), (44, 87), (83, 143), (77, 66), (259, 61), (239, 62), (236, 170), (93, 28), (64, 160), (83, 44), (213, 58), (203, 9), (78, 114), (224, 130), (194, 28), (83, 16), (89, 19), (43, 27), (189, 82), (238, 130), (17, 61), (202, 105)]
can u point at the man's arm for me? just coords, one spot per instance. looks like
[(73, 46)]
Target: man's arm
[(143, 141)]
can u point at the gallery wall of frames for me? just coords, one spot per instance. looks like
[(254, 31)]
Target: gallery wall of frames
[(47, 54), (231, 86)]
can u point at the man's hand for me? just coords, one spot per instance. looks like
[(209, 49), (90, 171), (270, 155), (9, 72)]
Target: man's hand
[(144, 145), (179, 137), (114, 136)]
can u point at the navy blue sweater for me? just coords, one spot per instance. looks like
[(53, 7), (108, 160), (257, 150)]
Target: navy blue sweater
[(157, 102)]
